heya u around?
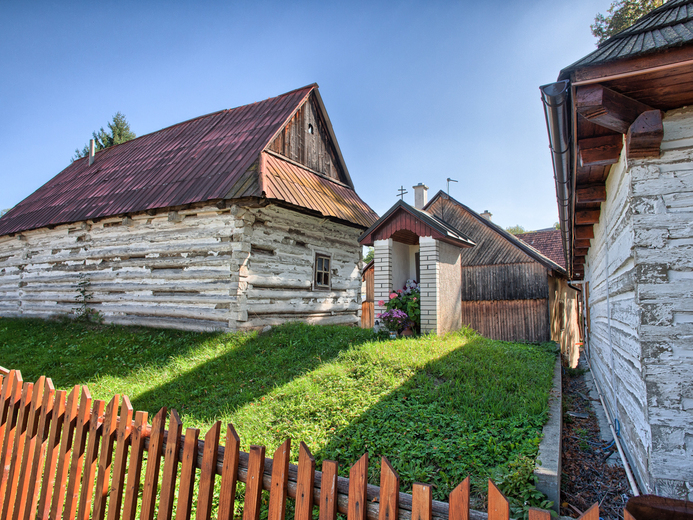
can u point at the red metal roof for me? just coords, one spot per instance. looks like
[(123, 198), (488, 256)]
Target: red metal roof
[(202, 159), (547, 242)]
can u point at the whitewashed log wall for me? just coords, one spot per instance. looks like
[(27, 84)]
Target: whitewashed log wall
[(640, 269), (202, 268)]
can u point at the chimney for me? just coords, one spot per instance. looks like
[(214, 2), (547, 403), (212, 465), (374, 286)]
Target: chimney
[(91, 152), (487, 215), (420, 195)]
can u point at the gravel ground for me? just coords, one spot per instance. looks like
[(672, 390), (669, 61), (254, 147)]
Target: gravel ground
[(591, 471)]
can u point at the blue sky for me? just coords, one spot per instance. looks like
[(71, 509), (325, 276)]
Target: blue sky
[(416, 91)]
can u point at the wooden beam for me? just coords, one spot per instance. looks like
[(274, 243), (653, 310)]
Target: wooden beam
[(590, 193), (582, 242), (645, 135), (587, 216), (608, 108), (580, 260), (600, 151), (584, 232), (580, 251)]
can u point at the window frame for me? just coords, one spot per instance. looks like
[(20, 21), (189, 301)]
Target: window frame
[(328, 271)]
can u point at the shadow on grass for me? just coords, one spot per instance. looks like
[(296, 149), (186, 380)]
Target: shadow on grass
[(476, 411)]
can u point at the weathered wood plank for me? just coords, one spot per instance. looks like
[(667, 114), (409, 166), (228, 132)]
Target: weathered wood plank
[(389, 492), (168, 483), (90, 461), (459, 502), (138, 435), (187, 474), (151, 478), (280, 479), (229, 474), (498, 506), (42, 445), (77, 458), (108, 437), (207, 472), (328, 490), (13, 399), (304, 483), (422, 498), (358, 489), (253, 486), (15, 459), (120, 465)]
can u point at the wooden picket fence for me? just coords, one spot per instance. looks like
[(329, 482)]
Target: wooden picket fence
[(65, 455)]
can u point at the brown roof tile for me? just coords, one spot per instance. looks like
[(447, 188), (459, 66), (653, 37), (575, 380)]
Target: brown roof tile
[(547, 242)]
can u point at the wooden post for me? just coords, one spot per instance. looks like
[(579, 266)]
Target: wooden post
[(305, 483), (229, 474), (280, 482)]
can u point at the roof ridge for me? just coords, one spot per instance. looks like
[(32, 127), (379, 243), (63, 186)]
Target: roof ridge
[(639, 28)]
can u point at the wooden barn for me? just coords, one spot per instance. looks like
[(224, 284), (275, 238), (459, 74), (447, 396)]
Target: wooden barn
[(504, 288), (239, 219)]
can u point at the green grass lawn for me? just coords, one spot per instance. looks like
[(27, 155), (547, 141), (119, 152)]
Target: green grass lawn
[(439, 408)]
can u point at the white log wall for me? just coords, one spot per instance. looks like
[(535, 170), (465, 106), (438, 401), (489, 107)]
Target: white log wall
[(202, 268), (640, 269)]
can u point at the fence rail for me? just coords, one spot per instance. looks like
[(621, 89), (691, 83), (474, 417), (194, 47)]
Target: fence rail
[(65, 455)]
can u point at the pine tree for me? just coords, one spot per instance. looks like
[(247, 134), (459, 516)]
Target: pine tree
[(118, 132), (621, 15)]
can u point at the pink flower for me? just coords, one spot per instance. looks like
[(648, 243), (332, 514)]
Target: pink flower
[(413, 299), (393, 295), (399, 291), (381, 303)]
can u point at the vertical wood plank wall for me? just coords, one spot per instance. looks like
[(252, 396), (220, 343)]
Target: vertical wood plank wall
[(367, 306)]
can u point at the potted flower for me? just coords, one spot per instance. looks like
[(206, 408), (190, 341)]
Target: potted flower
[(395, 320), (406, 300)]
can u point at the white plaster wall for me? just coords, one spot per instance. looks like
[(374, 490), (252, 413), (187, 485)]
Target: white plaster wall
[(640, 269)]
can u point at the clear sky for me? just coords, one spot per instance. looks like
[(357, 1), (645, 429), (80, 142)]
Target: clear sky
[(416, 91)]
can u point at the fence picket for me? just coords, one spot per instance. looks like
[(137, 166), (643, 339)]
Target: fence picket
[(328, 490), (422, 502), (538, 514), (168, 482), (52, 456), (229, 474), (205, 491), (459, 502), (22, 489), (13, 404), (151, 477), (42, 444), (591, 514), (90, 460), (358, 489), (253, 485), (132, 487), (280, 482), (498, 506), (20, 439), (120, 465), (305, 483), (187, 474), (78, 450), (389, 491), (69, 423), (108, 433)]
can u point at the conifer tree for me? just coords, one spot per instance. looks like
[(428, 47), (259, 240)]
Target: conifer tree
[(118, 132)]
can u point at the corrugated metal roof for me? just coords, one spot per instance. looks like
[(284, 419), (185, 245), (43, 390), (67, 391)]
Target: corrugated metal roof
[(201, 159), (670, 25), (286, 181)]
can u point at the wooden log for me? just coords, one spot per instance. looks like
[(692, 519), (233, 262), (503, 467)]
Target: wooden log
[(52, 455), (30, 447), (168, 483), (600, 151), (587, 216), (91, 460), (151, 478), (77, 458), (120, 465), (42, 444), (328, 490), (139, 434), (108, 435), (280, 480), (207, 472), (229, 474), (187, 474), (584, 231), (13, 402), (582, 242), (304, 483), (590, 193), (645, 135), (498, 506), (459, 501), (253, 486), (389, 491), (358, 489), (580, 251), (607, 108), (15, 459), (422, 501)]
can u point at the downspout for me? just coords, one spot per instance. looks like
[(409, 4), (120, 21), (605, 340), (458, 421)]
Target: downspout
[(556, 97)]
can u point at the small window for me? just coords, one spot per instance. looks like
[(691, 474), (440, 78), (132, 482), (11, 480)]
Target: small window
[(322, 272), (310, 129)]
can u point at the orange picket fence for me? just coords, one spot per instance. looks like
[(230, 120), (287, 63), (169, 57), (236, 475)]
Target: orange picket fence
[(64, 455)]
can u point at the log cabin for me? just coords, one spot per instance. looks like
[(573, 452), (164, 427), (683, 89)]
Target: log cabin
[(239, 219), (620, 124)]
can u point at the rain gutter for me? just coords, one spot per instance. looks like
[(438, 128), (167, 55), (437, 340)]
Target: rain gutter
[(556, 99)]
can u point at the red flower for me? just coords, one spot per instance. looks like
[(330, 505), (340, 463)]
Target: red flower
[(393, 295)]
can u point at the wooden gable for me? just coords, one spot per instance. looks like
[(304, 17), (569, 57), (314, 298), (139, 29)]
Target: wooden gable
[(306, 140)]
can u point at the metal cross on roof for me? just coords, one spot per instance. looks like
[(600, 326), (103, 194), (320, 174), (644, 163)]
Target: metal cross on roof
[(402, 192)]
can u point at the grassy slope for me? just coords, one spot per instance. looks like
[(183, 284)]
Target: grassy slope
[(438, 408)]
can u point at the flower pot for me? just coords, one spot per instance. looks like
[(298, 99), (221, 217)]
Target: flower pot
[(393, 334)]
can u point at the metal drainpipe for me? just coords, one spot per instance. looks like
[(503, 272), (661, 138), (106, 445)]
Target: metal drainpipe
[(555, 97)]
